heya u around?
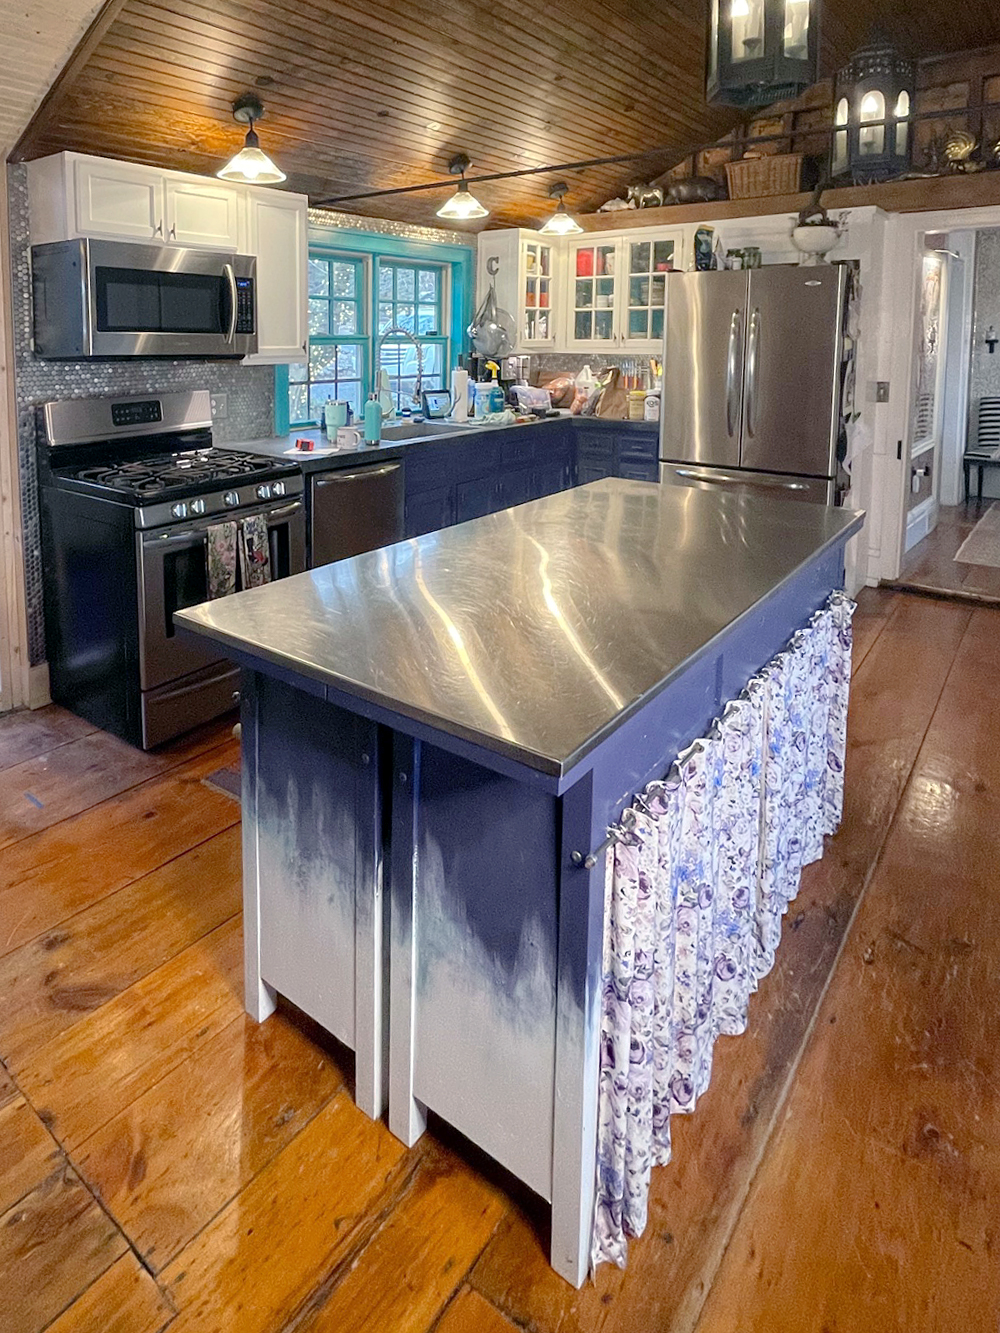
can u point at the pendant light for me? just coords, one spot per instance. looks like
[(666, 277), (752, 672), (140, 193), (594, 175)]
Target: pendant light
[(761, 51), (462, 205), (250, 166), (872, 138), (560, 223)]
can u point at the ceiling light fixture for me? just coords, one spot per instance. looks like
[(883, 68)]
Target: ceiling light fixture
[(560, 223), (251, 166), (462, 205)]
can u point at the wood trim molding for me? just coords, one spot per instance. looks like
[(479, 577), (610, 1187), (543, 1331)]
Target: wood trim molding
[(64, 80), (14, 671)]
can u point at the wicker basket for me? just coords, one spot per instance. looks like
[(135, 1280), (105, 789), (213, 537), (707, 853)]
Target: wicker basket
[(753, 177)]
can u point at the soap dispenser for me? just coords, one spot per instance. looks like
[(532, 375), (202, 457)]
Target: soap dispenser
[(373, 419)]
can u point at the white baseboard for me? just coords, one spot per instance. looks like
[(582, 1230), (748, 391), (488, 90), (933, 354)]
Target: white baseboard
[(38, 686), (919, 522)]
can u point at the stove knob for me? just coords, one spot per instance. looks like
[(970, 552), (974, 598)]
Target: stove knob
[(231, 498), (278, 488), (197, 506), (179, 510), (263, 491)]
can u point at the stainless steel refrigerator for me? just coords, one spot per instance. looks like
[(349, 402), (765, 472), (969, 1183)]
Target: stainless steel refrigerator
[(751, 380)]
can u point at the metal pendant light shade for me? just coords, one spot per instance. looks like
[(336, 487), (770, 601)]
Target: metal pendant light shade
[(761, 51), (463, 205), (873, 105), (560, 223), (250, 166)]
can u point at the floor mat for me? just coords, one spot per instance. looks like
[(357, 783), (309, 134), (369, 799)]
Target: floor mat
[(226, 780), (982, 546)]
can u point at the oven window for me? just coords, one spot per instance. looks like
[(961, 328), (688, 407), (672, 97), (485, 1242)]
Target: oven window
[(135, 301)]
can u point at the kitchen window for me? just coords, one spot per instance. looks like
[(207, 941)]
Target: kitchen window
[(410, 301), (368, 311)]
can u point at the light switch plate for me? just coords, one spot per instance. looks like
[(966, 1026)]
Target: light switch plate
[(220, 406), (881, 391)]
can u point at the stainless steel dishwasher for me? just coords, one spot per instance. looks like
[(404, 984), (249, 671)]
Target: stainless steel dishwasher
[(353, 510)]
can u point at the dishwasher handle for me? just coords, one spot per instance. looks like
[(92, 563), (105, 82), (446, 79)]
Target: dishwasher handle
[(359, 474)]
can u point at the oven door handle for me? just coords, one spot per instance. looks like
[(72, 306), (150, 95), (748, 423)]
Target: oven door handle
[(285, 511), (230, 277), (160, 539)]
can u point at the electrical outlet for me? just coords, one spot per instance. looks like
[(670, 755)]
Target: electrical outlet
[(220, 406)]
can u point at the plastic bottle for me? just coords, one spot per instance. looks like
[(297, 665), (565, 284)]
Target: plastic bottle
[(373, 420)]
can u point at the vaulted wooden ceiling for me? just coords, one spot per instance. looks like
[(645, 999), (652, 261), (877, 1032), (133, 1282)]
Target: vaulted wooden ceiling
[(373, 96)]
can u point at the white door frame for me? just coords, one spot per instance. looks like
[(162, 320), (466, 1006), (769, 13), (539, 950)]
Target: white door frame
[(14, 671), (904, 246)]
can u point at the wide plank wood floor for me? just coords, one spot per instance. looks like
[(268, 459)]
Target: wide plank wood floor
[(167, 1163), (931, 565)]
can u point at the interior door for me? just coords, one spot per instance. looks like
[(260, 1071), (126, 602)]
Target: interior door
[(703, 368), (792, 378), (926, 410)]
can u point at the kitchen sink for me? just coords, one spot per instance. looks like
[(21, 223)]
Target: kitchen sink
[(417, 430)]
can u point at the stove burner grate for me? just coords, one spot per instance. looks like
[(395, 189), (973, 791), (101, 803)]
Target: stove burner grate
[(164, 472)]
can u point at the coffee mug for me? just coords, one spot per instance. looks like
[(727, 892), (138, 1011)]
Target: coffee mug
[(336, 414), (348, 437)]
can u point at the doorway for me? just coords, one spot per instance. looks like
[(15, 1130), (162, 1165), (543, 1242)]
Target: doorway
[(951, 538)]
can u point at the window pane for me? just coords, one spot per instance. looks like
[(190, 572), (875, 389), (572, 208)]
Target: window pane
[(405, 284), (427, 319), (319, 277), (640, 253), (638, 293), (663, 256), (433, 359), (638, 323), (345, 317), (322, 361), (319, 316), (428, 284), (345, 280), (584, 324), (405, 317), (384, 316), (297, 373), (348, 361), (351, 393), (385, 283), (584, 293), (298, 404), (319, 394)]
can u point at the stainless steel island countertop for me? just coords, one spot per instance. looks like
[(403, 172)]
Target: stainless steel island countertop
[(533, 632)]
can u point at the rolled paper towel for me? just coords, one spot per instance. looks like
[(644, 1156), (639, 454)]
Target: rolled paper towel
[(459, 394)]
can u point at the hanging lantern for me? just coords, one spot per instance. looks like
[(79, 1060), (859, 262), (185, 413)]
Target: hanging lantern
[(761, 51), (872, 129)]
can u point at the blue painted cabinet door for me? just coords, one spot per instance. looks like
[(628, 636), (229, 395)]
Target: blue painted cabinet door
[(475, 497), (429, 510)]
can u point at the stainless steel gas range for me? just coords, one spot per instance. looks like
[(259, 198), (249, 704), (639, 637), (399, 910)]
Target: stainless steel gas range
[(133, 492)]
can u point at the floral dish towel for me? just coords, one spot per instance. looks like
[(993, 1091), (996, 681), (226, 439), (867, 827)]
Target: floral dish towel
[(220, 554), (255, 555)]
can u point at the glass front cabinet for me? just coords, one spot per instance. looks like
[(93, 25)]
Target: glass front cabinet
[(618, 289), (526, 269), (606, 290)]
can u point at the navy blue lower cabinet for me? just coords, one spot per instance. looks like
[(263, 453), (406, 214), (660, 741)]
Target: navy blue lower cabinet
[(429, 510), (515, 487), (475, 497)]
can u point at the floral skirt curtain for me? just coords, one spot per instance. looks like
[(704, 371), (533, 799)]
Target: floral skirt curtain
[(703, 868)]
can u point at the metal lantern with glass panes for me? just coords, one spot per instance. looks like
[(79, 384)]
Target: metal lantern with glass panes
[(761, 51), (872, 130)]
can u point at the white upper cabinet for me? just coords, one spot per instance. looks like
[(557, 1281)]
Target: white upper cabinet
[(72, 195), (115, 199), (278, 237), (526, 269), (618, 288), (202, 213), (602, 291)]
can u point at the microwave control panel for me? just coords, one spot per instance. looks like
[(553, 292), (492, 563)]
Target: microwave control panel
[(244, 305)]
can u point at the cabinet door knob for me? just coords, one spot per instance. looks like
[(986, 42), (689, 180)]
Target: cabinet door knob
[(158, 230), (173, 233)]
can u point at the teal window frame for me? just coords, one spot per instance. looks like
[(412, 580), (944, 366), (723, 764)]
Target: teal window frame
[(457, 260), (360, 339), (397, 307)]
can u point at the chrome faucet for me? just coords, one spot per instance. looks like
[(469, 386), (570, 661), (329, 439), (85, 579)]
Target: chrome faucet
[(402, 333)]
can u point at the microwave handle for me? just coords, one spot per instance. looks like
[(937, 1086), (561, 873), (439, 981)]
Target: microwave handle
[(230, 276)]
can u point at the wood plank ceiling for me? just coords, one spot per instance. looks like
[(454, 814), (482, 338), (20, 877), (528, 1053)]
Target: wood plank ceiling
[(364, 96), (37, 40)]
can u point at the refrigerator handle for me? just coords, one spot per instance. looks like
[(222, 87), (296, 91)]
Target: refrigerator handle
[(734, 358), (753, 355)]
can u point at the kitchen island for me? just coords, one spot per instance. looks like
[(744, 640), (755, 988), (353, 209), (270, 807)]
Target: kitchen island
[(459, 718)]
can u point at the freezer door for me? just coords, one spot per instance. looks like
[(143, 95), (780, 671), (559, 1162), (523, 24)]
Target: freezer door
[(809, 490), (792, 378), (702, 368)]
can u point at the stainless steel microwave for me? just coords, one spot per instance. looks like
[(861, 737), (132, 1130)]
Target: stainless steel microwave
[(107, 299)]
